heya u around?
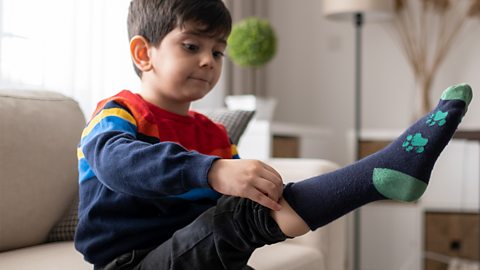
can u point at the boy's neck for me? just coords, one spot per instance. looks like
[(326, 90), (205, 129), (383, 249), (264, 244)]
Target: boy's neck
[(173, 107)]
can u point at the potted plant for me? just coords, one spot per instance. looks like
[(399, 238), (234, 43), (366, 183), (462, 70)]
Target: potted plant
[(252, 44)]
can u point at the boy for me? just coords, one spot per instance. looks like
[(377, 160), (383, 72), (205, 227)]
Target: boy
[(152, 173)]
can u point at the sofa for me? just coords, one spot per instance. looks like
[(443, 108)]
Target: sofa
[(39, 131)]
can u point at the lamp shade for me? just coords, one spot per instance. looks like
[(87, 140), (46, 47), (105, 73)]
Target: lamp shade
[(371, 9)]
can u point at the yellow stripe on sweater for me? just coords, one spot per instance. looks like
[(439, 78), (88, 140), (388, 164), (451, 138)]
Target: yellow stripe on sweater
[(80, 154), (234, 150), (105, 113)]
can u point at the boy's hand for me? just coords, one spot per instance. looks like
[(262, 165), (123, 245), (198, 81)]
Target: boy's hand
[(245, 178)]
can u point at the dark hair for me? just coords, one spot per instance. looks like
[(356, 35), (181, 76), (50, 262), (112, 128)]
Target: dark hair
[(154, 19)]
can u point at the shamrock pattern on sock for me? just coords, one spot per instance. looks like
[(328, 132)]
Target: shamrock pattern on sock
[(438, 118), (415, 142)]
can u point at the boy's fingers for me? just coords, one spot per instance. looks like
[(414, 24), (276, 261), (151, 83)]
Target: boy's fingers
[(275, 184), (272, 190), (264, 200), (272, 170), (272, 176)]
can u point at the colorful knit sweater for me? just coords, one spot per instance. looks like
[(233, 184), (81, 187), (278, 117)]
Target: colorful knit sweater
[(143, 175)]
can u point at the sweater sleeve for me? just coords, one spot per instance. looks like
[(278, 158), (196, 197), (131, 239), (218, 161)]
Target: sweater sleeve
[(119, 160)]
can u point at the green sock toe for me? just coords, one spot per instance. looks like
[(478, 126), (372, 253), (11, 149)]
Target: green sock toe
[(398, 186), (460, 91)]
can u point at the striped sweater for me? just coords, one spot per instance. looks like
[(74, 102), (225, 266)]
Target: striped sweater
[(143, 175)]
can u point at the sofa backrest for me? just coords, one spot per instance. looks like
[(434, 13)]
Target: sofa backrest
[(39, 132)]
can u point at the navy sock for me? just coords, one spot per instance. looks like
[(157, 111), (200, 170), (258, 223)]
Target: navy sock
[(400, 171)]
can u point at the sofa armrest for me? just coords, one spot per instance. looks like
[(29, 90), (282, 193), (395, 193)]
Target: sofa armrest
[(40, 131)]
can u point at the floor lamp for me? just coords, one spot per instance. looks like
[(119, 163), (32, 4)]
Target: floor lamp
[(358, 11)]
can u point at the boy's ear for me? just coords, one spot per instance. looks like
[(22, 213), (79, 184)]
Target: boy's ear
[(139, 47)]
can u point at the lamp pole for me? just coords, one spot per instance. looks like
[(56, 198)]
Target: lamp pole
[(358, 20), (357, 10)]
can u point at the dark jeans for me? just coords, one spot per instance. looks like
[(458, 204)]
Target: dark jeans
[(223, 237)]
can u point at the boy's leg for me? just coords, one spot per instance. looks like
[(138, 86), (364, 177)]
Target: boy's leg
[(400, 172), (223, 237)]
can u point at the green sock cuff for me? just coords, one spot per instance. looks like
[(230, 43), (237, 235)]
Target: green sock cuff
[(458, 92), (398, 186)]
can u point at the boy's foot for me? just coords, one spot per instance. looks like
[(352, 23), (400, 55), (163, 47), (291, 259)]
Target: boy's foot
[(411, 157), (401, 171)]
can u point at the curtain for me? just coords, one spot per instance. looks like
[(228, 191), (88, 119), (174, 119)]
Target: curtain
[(75, 47)]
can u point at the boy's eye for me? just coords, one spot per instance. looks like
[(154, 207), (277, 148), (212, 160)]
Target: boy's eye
[(218, 54), (190, 47)]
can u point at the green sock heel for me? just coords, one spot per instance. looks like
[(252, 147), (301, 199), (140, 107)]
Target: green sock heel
[(398, 186)]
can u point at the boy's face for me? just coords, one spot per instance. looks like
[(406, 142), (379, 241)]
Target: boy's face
[(186, 65)]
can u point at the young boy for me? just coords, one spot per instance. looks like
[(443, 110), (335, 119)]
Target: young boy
[(152, 173)]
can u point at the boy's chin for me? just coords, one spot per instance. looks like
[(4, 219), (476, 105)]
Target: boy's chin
[(197, 96)]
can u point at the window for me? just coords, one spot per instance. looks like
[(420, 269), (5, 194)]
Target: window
[(76, 47)]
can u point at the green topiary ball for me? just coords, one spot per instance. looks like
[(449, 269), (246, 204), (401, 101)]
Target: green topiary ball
[(252, 43)]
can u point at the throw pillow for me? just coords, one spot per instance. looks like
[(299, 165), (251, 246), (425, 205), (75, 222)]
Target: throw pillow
[(64, 230), (235, 121)]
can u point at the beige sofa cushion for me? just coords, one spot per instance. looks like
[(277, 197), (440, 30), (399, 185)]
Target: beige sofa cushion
[(287, 255), (53, 256), (39, 132)]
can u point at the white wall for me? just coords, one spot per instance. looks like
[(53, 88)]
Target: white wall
[(312, 75)]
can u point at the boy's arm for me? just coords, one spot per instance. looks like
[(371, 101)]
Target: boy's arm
[(127, 165)]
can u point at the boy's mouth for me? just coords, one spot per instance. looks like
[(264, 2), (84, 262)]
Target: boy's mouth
[(200, 79)]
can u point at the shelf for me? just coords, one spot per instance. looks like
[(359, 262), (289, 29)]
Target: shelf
[(451, 235)]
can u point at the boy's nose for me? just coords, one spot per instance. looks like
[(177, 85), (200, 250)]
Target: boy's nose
[(207, 60)]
